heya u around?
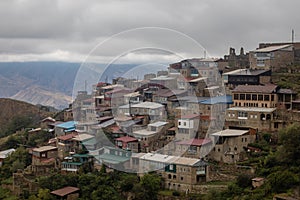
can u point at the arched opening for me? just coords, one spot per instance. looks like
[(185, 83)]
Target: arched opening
[(262, 117)]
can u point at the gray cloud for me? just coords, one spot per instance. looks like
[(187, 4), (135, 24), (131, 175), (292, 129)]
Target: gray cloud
[(66, 29)]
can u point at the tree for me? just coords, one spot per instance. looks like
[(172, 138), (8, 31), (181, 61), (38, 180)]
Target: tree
[(282, 181), (289, 150), (148, 187), (244, 180)]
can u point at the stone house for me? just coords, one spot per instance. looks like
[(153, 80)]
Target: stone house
[(188, 126), (74, 162), (246, 77), (275, 58), (230, 143), (155, 111), (153, 137), (64, 144), (128, 143), (44, 159), (193, 148), (64, 128), (179, 173), (165, 82), (255, 107)]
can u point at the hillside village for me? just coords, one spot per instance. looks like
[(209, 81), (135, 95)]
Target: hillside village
[(193, 125)]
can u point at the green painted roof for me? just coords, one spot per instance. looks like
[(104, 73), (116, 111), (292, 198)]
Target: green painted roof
[(82, 156), (113, 159), (72, 163)]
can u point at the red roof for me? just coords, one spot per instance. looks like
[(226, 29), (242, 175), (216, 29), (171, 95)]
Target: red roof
[(127, 139), (172, 129), (101, 84), (206, 117), (49, 160), (190, 116), (65, 191), (105, 118), (195, 142), (119, 90), (115, 129), (67, 137)]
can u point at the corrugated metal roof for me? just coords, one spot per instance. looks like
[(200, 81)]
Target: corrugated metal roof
[(44, 148), (195, 142), (252, 109), (158, 124), (272, 48), (126, 139), (230, 133), (147, 104), (67, 125), (225, 99), (270, 88), (65, 191)]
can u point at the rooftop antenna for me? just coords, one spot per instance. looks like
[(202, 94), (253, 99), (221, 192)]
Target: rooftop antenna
[(293, 35), (85, 85)]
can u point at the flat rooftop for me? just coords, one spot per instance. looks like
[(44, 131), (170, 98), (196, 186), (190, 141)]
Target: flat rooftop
[(252, 109), (44, 148), (144, 133), (83, 137), (158, 124), (230, 133), (147, 104)]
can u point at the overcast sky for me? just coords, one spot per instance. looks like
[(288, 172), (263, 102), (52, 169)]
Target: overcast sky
[(69, 30)]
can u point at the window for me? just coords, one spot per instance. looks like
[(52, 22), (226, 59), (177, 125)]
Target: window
[(171, 167), (242, 115), (181, 178), (235, 96), (242, 96), (184, 123), (179, 123), (248, 96), (254, 97), (260, 63), (272, 97), (260, 97), (267, 97)]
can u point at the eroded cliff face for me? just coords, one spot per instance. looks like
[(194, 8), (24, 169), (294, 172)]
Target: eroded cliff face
[(10, 109)]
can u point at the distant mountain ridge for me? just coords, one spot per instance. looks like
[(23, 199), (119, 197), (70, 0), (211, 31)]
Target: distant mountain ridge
[(46, 83), (49, 83)]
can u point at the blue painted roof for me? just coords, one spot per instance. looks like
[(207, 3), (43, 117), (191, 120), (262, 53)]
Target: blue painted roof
[(67, 125), (225, 99)]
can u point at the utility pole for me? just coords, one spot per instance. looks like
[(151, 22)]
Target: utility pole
[(293, 35)]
